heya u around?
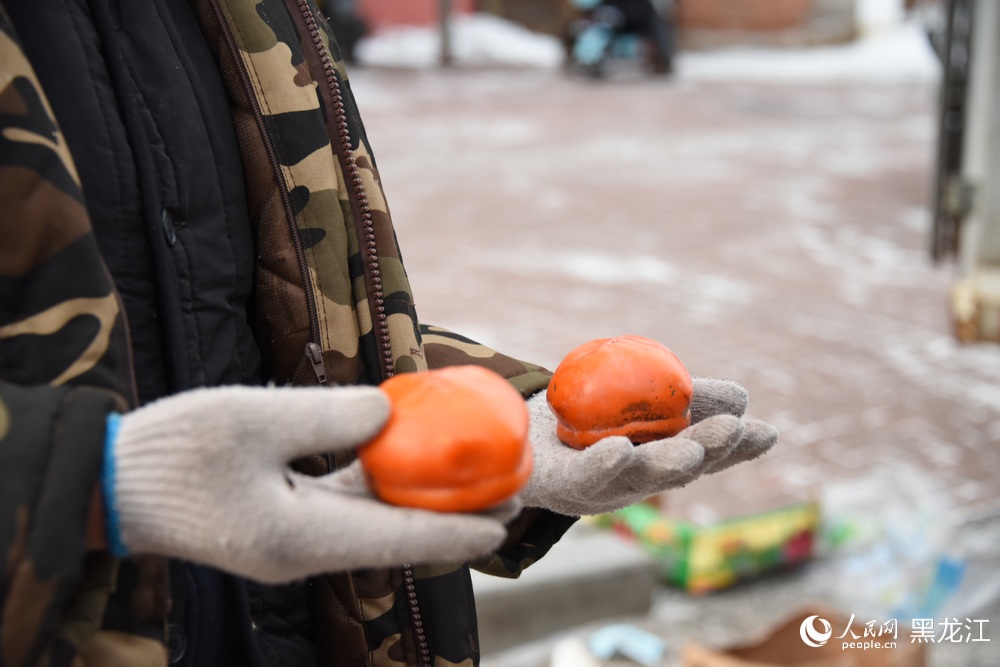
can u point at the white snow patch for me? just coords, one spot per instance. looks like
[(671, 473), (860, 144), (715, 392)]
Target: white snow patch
[(898, 54), (890, 51), (477, 39)]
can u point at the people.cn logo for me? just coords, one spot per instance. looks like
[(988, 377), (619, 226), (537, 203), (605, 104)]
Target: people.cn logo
[(813, 637)]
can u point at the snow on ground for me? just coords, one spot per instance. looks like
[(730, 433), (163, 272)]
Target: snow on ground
[(892, 52), (478, 39), (897, 53)]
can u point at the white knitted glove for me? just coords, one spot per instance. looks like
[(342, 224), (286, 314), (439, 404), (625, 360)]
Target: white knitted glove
[(613, 473), (204, 476)]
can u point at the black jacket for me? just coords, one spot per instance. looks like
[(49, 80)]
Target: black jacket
[(151, 101)]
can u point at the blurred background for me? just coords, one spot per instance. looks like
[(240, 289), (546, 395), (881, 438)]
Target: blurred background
[(798, 195)]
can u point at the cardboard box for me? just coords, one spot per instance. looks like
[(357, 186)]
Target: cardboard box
[(784, 647), (703, 558)]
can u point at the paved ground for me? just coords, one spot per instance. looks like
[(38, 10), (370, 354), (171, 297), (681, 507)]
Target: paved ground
[(748, 612), (772, 234)]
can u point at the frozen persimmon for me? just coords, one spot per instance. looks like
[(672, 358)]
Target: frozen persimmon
[(456, 441), (627, 385)]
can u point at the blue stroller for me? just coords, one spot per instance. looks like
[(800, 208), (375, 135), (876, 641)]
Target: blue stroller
[(623, 30)]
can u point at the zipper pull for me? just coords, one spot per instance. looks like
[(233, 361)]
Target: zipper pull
[(315, 356)]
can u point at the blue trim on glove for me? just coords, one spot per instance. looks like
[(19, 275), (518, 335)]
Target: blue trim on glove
[(112, 526)]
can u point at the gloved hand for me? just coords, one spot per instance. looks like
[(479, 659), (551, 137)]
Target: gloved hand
[(204, 476), (613, 473)]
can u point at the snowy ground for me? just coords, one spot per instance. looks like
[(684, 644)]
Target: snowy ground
[(890, 52), (765, 214)]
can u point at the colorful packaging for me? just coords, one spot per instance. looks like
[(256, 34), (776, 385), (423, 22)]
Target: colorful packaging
[(701, 559)]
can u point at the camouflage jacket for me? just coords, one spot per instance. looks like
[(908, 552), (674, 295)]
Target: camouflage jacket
[(332, 305)]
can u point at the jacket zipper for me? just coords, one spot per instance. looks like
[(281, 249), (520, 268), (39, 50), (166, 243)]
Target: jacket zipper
[(367, 238), (368, 247), (313, 349), (315, 354)]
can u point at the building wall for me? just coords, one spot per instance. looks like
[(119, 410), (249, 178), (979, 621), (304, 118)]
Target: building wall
[(717, 23), (545, 16), (701, 23), (387, 13), (712, 23), (752, 15)]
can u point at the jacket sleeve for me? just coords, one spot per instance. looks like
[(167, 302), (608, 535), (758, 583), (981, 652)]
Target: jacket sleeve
[(446, 348), (63, 361), (533, 533)]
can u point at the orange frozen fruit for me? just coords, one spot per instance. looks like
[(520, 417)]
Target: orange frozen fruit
[(627, 385), (456, 441)]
